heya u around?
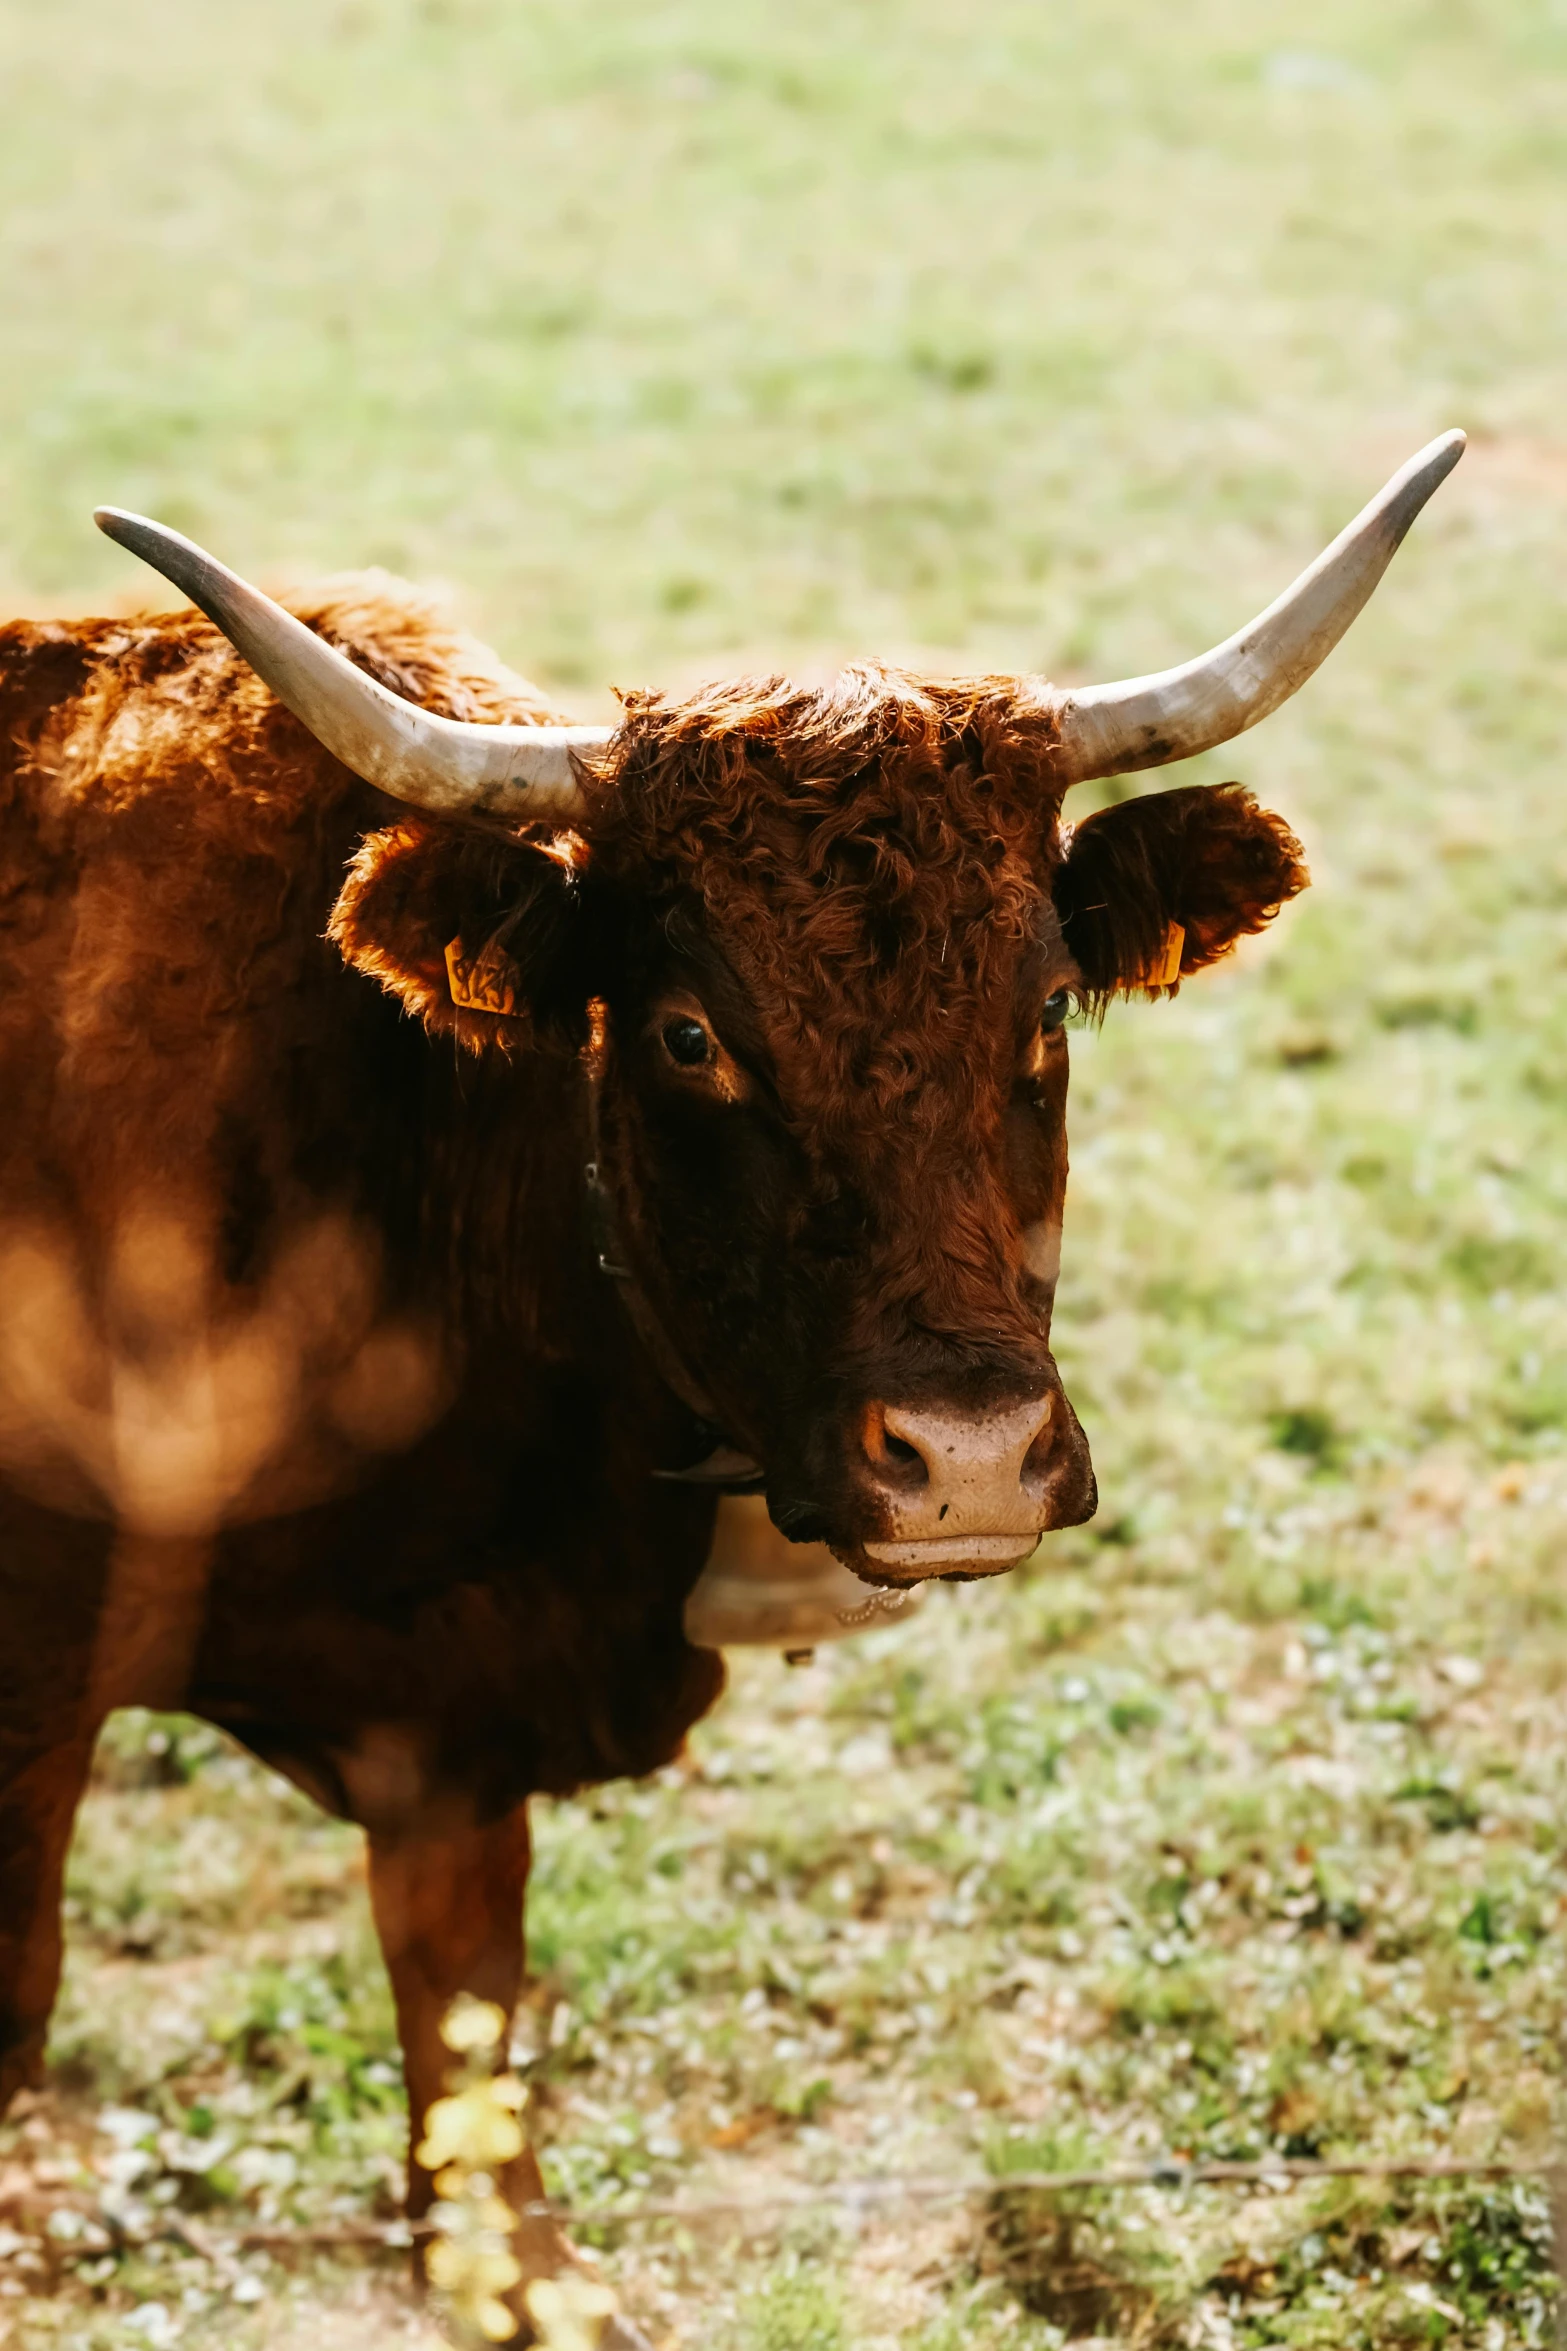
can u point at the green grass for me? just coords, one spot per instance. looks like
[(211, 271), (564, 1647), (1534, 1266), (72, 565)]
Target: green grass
[(683, 338)]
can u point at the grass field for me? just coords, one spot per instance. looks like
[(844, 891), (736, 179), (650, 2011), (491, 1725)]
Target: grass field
[(684, 338)]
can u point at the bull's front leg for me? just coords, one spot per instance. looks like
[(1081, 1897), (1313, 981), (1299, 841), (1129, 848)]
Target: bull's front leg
[(448, 1898), (447, 1894), (56, 1686), (39, 1793)]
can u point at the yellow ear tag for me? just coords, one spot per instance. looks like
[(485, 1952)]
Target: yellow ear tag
[(482, 984), (1166, 970)]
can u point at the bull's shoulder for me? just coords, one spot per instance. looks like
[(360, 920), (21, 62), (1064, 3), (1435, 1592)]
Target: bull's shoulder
[(107, 714)]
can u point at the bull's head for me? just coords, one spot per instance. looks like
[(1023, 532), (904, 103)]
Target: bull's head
[(816, 950)]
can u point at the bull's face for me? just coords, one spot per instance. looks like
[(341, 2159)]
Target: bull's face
[(856, 1235), (817, 953)]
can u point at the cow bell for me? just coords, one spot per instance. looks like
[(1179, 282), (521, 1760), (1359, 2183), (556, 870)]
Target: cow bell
[(758, 1591)]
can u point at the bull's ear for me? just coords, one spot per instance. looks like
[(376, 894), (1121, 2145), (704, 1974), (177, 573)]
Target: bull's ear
[(486, 940), (1156, 888)]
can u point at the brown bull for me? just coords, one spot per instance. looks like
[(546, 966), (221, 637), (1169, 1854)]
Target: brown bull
[(365, 1379)]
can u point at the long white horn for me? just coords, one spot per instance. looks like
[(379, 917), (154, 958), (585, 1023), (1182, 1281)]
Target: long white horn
[(1147, 722), (522, 773)]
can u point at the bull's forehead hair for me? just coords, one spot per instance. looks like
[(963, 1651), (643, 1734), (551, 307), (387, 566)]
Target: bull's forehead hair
[(674, 762), (871, 856), (872, 748)]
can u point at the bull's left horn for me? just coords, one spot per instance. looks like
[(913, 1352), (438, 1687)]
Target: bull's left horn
[(522, 773), (1148, 722)]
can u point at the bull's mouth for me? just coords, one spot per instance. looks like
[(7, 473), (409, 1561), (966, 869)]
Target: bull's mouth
[(915, 1561)]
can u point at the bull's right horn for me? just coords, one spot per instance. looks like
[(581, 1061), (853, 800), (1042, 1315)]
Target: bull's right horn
[(1147, 722), (524, 774)]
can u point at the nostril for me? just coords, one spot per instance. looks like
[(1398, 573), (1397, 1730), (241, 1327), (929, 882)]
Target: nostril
[(1040, 1458), (902, 1463)]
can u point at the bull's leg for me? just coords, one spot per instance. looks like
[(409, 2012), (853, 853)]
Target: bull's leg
[(448, 1909), (448, 1900), (39, 1793), (51, 1587)]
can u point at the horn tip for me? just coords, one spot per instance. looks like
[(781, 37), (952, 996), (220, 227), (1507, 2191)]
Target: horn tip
[(133, 531)]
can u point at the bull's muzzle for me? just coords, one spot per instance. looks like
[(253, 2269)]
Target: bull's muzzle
[(969, 1492)]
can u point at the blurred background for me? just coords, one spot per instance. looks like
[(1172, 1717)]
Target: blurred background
[(681, 339)]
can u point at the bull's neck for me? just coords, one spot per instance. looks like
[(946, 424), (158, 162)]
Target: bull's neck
[(504, 1238)]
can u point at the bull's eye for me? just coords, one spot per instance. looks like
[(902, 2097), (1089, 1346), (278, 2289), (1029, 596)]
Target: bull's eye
[(1054, 1012), (687, 1042)]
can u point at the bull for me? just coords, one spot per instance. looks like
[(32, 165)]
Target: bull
[(445, 1149)]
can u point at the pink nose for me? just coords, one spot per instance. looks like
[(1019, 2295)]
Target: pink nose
[(961, 1491)]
